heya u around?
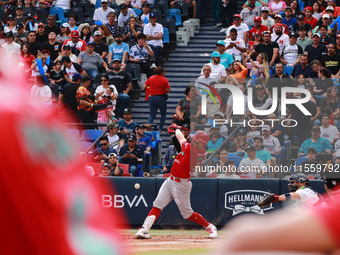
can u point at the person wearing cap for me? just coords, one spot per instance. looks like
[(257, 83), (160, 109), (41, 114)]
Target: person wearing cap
[(70, 68), (241, 28), (84, 30), (10, 25), (90, 60), (65, 31), (309, 17), (331, 60), (20, 18), (154, 35), (67, 100), (326, 21), (144, 18), (131, 154), (250, 12), (250, 165), (258, 27), (138, 4), (51, 25), (261, 154), (320, 144), (75, 42), (289, 20), (21, 36), (316, 49), (116, 170), (116, 139), (303, 40), (301, 23), (119, 50), (126, 125), (28, 8), (292, 52), (41, 35), (226, 59), (143, 140), (279, 37), (125, 14), (278, 19), (10, 46), (99, 46), (260, 96), (101, 13), (332, 5), (239, 144), (234, 45), (266, 20), (66, 51), (277, 6), (52, 46), (217, 70)]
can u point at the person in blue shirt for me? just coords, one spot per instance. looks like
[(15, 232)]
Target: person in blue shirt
[(320, 144), (143, 140), (226, 58), (119, 50), (131, 154), (288, 19), (264, 155), (126, 125), (102, 153)]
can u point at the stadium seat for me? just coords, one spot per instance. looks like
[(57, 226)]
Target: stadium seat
[(298, 161), (176, 14), (78, 12), (88, 20), (91, 134), (137, 11), (86, 6), (288, 70), (125, 170), (96, 166), (41, 16), (170, 24), (236, 160), (183, 7), (158, 12), (134, 69), (97, 79), (74, 133), (98, 4), (84, 145), (166, 36), (163, 6), (58, 12)]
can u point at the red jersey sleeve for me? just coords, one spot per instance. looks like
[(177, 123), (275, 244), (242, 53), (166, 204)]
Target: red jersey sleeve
[(83, 47)]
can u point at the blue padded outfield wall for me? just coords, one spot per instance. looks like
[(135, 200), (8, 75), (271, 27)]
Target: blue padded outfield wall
[(217, 200)]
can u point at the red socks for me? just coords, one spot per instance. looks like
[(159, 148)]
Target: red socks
[(155, 211), (197, 218)]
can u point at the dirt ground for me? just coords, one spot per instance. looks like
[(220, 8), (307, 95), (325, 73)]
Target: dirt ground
[(161, 241)]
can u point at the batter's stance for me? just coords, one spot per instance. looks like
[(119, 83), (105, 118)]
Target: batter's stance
[(178, 185)]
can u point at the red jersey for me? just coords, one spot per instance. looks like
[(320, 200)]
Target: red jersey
[(312, 22), (285, 29), (186, 160), (157, 85), (254, 29), (80, 45)]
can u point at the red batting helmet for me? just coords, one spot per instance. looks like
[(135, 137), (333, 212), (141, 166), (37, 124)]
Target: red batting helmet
[(200, 137)]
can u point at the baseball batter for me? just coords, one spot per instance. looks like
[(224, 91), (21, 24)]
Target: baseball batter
[(300, 190), (178, 186)]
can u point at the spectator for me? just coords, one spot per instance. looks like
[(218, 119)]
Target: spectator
[(106, 115), (260, 97), (251, 165), (295, 8), (157, 87), (230, 172), (301, 23), (119, 50), (112, 25), (266, 20), (40, 67), (21, 36), (72, 22), (70, 68), (226, 59), (106, 36), (42, 36), (51, 25), (140, 54), (302, 67), (250, 12), (289, 20), (258, 68), (279, 37), (240, 143), (316, 49), (241, 28), (116, 139), (89, 61), (30, 18), (28, 8), (154, 35), (217, 70), (204, 80), (52, 45), (276, 130), (143, 140), (144, 18), (66, 51), (315, 72), (332, 101), (277, 6), (214, 143), (278, 20), (56, 76), (328, 131), (121, 80), (168, 159), (35, 47), (309, 19), (325, 39), (258, 27), (223, 155), (10, 46), (334, 5), (238, 71), (234, 45), (125, 14), (271, 144), (100, 15), (132, 31), (303, 40), (229, 107), (257, 36), (311, 159), (323, 83), (10, 25), (261, 154), (320, 144), (253, 131), (99, 46), (105, 170), (325, 22), (213, 106), (271, 49), (131, 154), (127, 125), (84, 30), (186, 131), (27, 58), (104, 151), (65, 4), (317, 10), (138, 3), (40, 92), (116, 170), (64, 33), (279, 80), (331, 60), (77, 45), (67, 100), (319, 102)]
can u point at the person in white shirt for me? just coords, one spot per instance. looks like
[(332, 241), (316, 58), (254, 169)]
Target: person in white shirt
[(204, 79), (279, 37), (154, 35), (41, 92), (234, 45), (10, 46), (328, 131), (271, 144), (100, 14), (242, 28), (125, 14), (251, 166), (229, 170), (292, 52), (266, 20), (217, 69)]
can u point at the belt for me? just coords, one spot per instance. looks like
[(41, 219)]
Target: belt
[(178, 179)]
